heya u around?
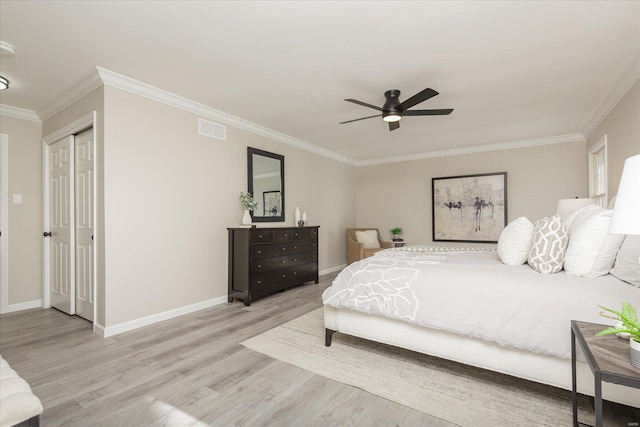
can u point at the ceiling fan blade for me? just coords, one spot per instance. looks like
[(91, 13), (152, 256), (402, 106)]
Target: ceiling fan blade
[(418, 98), (442, 112), (364, 104), (362, 118), (394, 126)]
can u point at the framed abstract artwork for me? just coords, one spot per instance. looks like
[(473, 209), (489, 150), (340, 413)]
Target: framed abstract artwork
[(469, 208)]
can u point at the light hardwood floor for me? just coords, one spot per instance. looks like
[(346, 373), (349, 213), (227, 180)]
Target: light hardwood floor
[(186, 371)]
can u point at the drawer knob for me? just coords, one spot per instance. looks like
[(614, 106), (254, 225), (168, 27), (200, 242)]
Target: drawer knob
[(258, 266), (284, 275), (259, 252), (286, 235), (283, 262), (295, 260), (259, 282), (284, 248), (260, 236)]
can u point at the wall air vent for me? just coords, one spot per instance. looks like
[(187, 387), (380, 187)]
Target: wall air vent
[(211, 129)]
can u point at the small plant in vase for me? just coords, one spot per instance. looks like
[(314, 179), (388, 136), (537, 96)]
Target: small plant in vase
[(396, 232), (628, 325), (246, 199)]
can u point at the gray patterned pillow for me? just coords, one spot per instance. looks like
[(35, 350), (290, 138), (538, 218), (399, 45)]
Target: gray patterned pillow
[(550, 240)]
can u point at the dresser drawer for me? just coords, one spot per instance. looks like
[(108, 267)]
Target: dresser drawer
[(303, 246), (302, 258), (271, 281), (269, 264), (261, 236), (303, 273), (283, 235), (266, 251)]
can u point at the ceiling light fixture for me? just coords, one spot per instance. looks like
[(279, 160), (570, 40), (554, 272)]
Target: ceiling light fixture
[(392, 117), (4, 83), (6, 49)]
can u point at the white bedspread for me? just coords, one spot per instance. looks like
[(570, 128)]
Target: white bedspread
[(474, 294)]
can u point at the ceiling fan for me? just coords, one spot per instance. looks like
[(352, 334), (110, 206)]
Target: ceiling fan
[(393, 110)]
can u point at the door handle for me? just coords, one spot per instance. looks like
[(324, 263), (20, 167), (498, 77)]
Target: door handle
[(47, 234)]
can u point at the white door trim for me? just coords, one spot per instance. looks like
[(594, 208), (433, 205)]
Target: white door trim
[(4, 223), (83, 123)]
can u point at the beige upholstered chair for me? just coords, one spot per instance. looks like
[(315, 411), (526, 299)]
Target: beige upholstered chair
[(356, 250)]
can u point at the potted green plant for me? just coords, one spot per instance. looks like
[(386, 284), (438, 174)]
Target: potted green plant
[(396, 232), (628, 325), (246, 199)]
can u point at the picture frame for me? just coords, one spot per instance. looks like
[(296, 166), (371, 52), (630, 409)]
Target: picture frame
[(272, 203), (469, 208)]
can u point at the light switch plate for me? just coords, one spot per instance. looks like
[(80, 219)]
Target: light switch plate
[(17, 199)]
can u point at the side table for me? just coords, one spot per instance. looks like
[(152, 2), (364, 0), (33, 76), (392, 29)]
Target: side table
[(608, 358)]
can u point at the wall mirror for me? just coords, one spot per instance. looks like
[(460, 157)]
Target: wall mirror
[(266, 183)]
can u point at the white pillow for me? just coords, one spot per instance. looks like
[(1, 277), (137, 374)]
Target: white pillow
[(569, 219), (627, 265), (368, 238), (550, 240), (592, 250), (515, 241)]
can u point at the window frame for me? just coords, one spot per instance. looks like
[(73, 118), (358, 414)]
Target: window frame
[(602, 197)]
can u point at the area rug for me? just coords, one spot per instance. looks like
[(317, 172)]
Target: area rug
[(454, 392)]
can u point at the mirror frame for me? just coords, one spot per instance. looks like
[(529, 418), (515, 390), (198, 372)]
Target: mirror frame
[(250, 153)]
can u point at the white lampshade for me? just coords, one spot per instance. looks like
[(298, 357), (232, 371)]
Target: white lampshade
[(626, 212), (567, 206)]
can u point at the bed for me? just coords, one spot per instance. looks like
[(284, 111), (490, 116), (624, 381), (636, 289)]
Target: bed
[(442, 302)]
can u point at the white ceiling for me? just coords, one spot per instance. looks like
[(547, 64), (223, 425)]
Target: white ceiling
[(512, 71)]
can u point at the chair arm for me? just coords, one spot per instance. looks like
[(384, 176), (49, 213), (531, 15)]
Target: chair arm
[(355, 251), (386, 245)]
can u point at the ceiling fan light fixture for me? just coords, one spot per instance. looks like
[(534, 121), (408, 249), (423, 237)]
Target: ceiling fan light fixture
[(392, 117), (4, 83)]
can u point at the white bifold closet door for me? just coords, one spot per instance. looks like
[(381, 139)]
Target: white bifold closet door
[(62, 274), (84, 154), (71, 217)]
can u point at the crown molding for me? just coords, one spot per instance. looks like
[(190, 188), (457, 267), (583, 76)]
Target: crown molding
[(18, 113), (136, 87), (86, 84), (625, 83), (575, 137)]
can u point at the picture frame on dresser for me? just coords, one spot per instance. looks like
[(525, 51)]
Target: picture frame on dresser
[(263, 261), (469, 208)]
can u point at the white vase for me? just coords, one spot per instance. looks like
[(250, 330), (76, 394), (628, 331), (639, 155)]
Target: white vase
[(635, 353), (246, 218)]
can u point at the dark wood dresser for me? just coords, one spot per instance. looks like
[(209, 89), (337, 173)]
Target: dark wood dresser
[(267, 260)]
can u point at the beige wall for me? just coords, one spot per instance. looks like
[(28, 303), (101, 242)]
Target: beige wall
[(170, 194), (622, 127), (25, 220), (94, 101), (399, 194), (166, 196)]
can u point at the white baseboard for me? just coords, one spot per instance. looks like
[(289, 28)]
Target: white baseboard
[(109, 331), (331, 269), (98, 329), (21, 306)]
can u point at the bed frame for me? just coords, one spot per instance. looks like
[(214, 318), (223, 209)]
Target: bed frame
[(512, 361)]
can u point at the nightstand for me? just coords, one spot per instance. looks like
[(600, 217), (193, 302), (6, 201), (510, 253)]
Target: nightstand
[(608, 358)]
